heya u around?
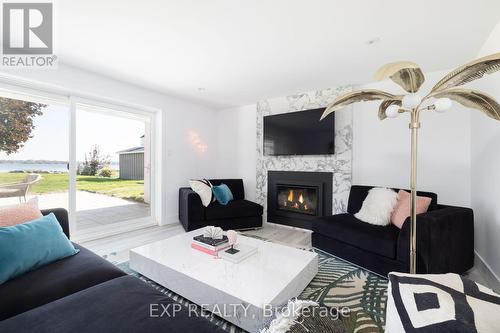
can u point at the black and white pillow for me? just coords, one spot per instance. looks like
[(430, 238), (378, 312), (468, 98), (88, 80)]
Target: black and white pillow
[(204, 189), (440, 303)]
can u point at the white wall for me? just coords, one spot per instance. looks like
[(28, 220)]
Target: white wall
[(485, 166), (381, 149), (236, 142), (181, 160)]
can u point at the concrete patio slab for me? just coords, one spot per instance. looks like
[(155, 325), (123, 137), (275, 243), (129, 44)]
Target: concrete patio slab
[(93, 210)]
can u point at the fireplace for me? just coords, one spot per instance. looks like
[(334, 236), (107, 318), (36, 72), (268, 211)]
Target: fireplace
[(296, 198)]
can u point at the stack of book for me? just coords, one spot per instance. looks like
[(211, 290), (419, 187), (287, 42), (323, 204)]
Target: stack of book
[(210, 245)]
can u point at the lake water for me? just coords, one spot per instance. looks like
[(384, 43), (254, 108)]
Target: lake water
[(48, 167)]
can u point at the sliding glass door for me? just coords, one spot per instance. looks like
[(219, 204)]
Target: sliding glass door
[(113, 163), (94, 159)]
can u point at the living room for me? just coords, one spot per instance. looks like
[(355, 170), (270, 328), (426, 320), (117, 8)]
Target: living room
[(362, 220)]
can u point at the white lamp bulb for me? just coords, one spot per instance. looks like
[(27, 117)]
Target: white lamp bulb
[(442, 104), (411, 101), (392, 111)]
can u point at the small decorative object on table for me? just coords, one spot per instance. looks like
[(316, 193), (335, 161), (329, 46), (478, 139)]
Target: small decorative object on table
[(213, 232), (211, 241), (243, 251), (232, 236)]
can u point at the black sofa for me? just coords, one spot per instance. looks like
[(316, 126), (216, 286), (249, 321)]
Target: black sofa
[(85, 293), (445, 238), (237, 214)]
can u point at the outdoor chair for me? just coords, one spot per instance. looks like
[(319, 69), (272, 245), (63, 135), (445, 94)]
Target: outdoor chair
[(19, 190)]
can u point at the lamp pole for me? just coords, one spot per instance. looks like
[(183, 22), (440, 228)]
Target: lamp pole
[(414, 127)]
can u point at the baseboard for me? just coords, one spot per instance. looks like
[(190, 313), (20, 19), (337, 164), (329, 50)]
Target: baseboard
[(488, 267), (171, 219)]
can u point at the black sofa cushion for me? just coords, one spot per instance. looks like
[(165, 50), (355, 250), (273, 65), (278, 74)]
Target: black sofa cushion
[(348, 229), (235, 185), (366, 259), (235, 208), (54, 281), (358, 194), (120, 305)]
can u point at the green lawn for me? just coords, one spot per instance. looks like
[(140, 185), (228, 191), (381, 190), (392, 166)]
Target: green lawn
[(50, 183)]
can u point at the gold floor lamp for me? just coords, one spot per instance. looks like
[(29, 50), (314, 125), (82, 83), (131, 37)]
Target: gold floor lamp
[(410, 77)]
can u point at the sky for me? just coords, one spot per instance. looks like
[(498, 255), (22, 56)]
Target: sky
[(51, 135)]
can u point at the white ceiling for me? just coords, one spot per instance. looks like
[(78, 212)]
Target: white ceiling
[(242, 51)]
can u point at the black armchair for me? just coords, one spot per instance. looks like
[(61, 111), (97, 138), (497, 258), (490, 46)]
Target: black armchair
[(237, 214), (61, 216), (445, 238)]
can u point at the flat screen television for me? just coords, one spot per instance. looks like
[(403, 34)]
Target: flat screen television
[(299, 133)]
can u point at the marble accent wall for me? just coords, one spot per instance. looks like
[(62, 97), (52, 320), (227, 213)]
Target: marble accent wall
[(340, 163)]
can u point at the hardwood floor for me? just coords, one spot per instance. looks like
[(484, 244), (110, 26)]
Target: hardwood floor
[(116, 248), (482, 275)]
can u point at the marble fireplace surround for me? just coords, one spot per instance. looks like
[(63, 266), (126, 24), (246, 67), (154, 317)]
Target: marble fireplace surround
[(340, 163)]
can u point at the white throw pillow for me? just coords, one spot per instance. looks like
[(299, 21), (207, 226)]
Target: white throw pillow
[(378, 206), (204, 189)]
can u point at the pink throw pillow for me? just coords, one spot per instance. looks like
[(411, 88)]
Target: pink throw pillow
[(402, 210), (21, 213)]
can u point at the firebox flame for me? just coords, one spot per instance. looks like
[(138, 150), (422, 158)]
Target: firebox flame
[(295, 200)]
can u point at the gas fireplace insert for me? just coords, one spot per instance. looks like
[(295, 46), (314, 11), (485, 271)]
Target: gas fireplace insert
[(296, 198)]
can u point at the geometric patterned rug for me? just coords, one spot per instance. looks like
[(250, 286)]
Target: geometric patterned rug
[(338, 284)]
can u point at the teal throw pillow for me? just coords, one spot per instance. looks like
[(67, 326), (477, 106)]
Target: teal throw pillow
[(28, 246), (222, 193)]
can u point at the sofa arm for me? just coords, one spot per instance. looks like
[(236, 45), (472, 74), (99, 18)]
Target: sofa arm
[(61, 216), (190, 207), (445, 240)]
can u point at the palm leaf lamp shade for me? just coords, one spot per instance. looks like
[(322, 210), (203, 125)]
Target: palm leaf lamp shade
[(410, 77)]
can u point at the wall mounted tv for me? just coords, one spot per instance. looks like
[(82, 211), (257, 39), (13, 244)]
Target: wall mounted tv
[(299, 133)]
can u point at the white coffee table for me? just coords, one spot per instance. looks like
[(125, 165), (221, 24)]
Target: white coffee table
[(242, 293)]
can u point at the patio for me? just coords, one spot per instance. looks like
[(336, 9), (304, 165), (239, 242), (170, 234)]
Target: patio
[(96, 214)]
